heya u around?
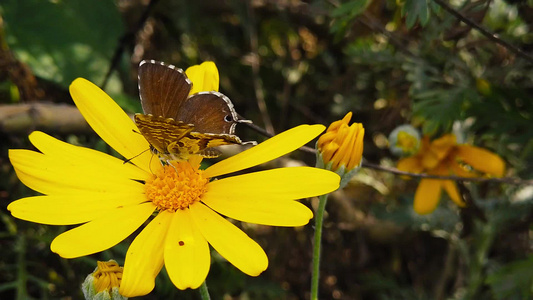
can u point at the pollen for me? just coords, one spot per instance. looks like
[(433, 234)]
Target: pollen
[(176, 186)]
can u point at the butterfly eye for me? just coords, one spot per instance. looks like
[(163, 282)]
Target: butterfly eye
[(228, 118)]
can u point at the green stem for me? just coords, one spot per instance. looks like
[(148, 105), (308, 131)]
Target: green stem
[(204, 293), (319, 219)]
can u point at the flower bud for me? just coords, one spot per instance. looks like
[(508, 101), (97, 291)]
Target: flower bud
[(340, 149)]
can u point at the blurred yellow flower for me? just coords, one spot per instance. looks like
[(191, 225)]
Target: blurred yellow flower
[(112, 199), (404, 140), (340, 148), (443, 157)]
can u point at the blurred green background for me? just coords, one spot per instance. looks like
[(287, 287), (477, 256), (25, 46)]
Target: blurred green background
[(284, 63)]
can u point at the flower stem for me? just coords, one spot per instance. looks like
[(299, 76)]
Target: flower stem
[(319, 219), (204, 293)]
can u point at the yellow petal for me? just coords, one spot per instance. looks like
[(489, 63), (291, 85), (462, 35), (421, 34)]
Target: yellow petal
[(410, 164), (442, 145), (342, 156), (85, 158), (111, 123), (144, 259), (427, 196), (451, 189), (228, 240), (204, 77), (251, 210), (270, 149), (282, 183), (50, 175), (187, 256), (70, 209), (264, 197), (481, 160), (109, 229), (357, 154)]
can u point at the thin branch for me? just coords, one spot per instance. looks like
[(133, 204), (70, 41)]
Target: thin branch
[(126, 39), (258, 84), (509, 180), (491, 36), (368, 165)]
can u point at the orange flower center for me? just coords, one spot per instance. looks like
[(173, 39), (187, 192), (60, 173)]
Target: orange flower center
[(176, 186)]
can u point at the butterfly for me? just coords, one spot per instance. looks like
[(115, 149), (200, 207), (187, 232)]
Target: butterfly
[(177, 125)]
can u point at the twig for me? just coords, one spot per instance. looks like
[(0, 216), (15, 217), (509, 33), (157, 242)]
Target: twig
[(258, 85), (368, 165), (491, 36), (125, 40)]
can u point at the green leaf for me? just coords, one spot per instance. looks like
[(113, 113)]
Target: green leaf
[(63, 40), (351, 9), (416, 10)]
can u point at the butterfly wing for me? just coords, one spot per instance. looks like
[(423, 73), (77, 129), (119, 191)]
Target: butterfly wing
[(202, 144), (162, 132), (210, 112), (162, 88)]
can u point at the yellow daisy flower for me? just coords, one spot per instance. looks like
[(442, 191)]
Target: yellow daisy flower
[(112, 199), (443, 157)]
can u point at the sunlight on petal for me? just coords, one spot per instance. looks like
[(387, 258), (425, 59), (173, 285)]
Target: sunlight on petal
[(144, 259), (268, 150), (427, 196), (482, 160), (229, 241), (103, 233), (70, 209), (111, 123), (187, 256), (85, 158), (204, 77)]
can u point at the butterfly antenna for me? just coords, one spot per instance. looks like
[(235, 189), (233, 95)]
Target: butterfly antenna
[(129, 159)]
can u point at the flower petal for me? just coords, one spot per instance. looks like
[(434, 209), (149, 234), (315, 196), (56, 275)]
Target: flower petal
[(228, 240), (264, 197), (187, 256), (451, 189), (109, 229), (204, 77), (481, 160), (273, 212), (144, 259), (270, 149), (70, 209), (410, 164), (427, 195), (85, 158), (50, 175), (111, 123), (281, 183)]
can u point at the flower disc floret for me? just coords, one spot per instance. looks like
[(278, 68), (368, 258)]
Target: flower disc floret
[(176, 186)]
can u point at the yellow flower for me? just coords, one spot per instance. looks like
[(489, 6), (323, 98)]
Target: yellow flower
[(113, 199), (204, 77), (445, 157), (104, 282), (340, 149), (404, 140)]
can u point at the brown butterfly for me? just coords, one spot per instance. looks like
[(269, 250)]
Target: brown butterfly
[(178, 125)]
